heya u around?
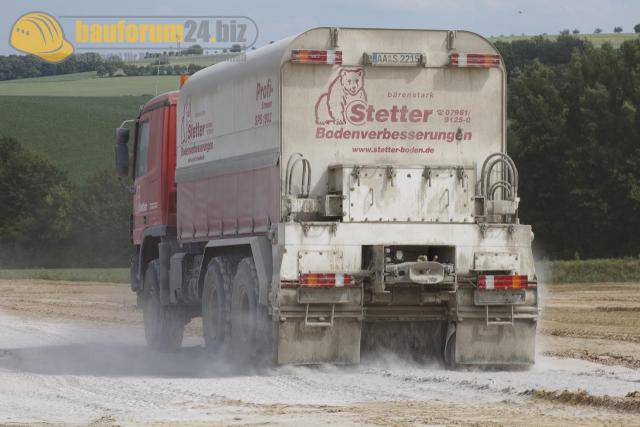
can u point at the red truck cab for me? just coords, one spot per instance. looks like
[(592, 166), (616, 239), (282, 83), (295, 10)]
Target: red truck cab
[(154, 163), (154, 200)]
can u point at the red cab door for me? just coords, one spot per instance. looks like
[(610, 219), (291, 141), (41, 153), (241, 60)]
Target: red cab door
[(148, 182)]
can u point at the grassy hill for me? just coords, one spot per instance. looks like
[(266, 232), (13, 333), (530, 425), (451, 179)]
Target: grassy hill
[(70, 118), (76, 133), (615, 39)]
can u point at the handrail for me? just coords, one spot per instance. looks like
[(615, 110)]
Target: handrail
[(306, 174), (510, 184)]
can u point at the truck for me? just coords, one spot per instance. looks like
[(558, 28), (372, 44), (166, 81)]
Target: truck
[(341, 191)]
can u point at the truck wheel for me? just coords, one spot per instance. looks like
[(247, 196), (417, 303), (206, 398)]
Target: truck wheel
[(450, 352), (163, 325), (244, 313), (217, 283)]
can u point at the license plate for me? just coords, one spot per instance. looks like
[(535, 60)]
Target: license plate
[(499, 297), (394, 59)]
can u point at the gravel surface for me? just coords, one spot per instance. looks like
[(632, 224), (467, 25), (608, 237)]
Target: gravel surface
[(74, 353)]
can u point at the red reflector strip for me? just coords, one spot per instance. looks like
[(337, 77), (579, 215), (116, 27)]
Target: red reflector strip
[(326, 279), (474, 60), (503, 282), (308, 56)]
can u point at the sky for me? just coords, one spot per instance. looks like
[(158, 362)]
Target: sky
[(277, 19)]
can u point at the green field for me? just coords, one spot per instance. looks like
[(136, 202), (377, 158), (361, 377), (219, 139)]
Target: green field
[(76, 133), (87, 84), (70, 118), (593, 270), (114, 275), (615, 39)]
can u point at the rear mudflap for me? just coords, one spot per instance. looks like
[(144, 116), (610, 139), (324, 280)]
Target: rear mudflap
[(321, 325), (479, 343), (302, 344), (490, 332)]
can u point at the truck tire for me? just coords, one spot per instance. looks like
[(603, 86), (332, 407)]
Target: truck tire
[(163, 325), (215, 298), (244, 313), (450, 353)]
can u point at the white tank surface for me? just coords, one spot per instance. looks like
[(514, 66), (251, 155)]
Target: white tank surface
[(411, 107)]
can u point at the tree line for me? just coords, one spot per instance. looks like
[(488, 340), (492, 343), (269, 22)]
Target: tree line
[(574, 133), (113, 70), (26, 66), (46, 221)]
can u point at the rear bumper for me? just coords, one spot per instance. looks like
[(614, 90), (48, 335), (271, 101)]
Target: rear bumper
[(324, 325)]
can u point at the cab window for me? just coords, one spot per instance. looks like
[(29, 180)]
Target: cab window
[(142, 147)]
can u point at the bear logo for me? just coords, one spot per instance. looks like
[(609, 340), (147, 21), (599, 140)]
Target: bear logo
[(346, 88)]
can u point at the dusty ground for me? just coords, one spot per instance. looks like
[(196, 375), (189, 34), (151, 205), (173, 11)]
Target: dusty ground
[(73, 353)]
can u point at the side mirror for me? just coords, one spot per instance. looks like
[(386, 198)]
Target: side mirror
[(122, 159), (122, 152), (122, 135)]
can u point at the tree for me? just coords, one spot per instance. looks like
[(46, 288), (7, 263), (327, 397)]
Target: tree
[(636, 28), (179, 69), (192, 68), (617, 29), (518, 53), (36, 200), (131, 70), (576, 31), (597, 30), (195, 49), (100, 232), (573, 132), (565, 32), (536, 128), (101, 71), (110, 69)]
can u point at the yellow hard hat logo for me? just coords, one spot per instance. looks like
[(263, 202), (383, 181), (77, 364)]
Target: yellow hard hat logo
[(41, 35)]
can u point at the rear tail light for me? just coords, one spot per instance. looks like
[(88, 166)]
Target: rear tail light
[(474, 60), (308, 56), (503, 282), (326, 279)]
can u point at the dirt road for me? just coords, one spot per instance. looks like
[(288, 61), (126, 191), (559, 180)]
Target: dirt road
[(73, 353)]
